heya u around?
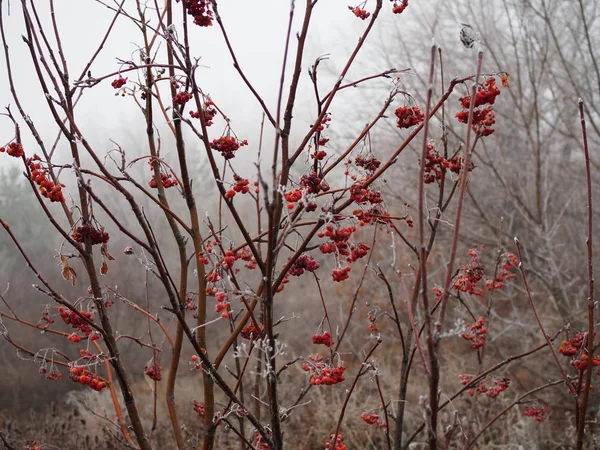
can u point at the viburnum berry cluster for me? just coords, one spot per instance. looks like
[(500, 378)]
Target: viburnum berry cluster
[(322, 373), (14, 149), (302, 263), (476, 333), (408, 116), (83, 376), (71, 318), (153, 370), (471, 274), (493, 391), (96, 236), (39, 175), (227, 146), (399, 6), (208, 111), (337, 445), (200, 10), (483, 118), (359, 12), (540, 413), (118, 83), (373, 419), (324, 338)]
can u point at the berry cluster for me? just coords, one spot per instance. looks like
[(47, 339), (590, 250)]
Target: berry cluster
[(540, 413), (259, 443), (372, 419), (361, 195), (324, 339), (574, 345), (251, 333), (167, 181), (14, 149), (313, 184), (242, 185), (476, 333), (322, 373), (199, 408), (505, 273), (304, 262), (227, 146), (408, 116), (53, 374), (208, 111), (369, 164), (200, 11), (153, 370), (70, 318), (359, 12), (324, 123), (470, 274), (39, 175), (119, 82), (85, 377), (491, 392), (96, 236), (436, 165), (182, 98), (399, 6), (483, 118), (338, 445)]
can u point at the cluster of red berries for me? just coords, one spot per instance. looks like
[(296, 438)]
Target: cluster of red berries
[(199, 408), (470, 274), (167, 181), (227, 146), (483, 118), (359, 12), (574, 345), (361, 195), (491, 392), (87, 355), (222, 305), (399, 6), (320, 154), (476, 333), (70, 318), (208, 111), (322, 373), (540, 413), (373, 419), (85, 377), (153, 370), (200, 11), (581, 363), (181, 98), (251, 333), (505, 273), (96, 236), (408, 116), (33, 445), (304, 262), (324, 123), (39, 175), (53, 374), (313, 184), (375, 214), (14, 149), (324, 339), (259, 443), (338, 239), (228, 260), (436, 165), (337, 445), (369, 164), (119, 83)]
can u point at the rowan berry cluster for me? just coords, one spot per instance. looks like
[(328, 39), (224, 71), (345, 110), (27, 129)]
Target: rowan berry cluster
[(399, 6), (208, 111), (324, 339), (408, 116), (360, 194), (39, 175), (322, 373), (53, 374), (498, 387), (167, 181), (436, 165), (200, 11), (227, 146), (70, 318), (510, 262), (95, 236), (581, 363), (359, 12), (373, 419), (14, 149), (85, 377), (483, 118), (222, 305), (540, 413), (251, 333), (153, 370), (573, 346), (199, 408), (119, 82), (181, 98), (313, 184), (369, 164), (259, 443), (476, 333), (337, 445), (302, 263), (470, 274)]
